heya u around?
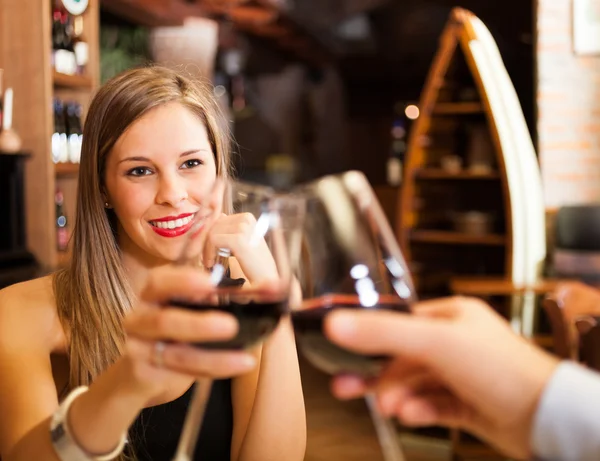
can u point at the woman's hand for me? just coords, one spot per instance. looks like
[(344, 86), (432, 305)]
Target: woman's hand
[(239, 234), (158, 346), (455, 363)]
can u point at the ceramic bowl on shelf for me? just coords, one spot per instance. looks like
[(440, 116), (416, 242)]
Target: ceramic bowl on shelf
[(451, 163), (473, 222)]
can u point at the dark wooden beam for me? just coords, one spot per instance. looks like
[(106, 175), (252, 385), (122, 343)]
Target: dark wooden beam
[(256, 16), (221, 6), (154, 13), (329, 13)]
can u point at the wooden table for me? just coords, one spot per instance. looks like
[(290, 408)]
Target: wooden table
[(523, 312), (496, 286)]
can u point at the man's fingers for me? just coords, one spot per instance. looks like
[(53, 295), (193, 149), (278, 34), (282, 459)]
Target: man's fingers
[(393, 390), (432, 409), (384, 333)]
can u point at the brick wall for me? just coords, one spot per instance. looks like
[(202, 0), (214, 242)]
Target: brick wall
[(568, 99)]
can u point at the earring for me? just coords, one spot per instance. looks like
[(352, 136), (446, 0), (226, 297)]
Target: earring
[(106, 205)]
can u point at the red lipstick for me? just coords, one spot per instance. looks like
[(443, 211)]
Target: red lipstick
[(176, 232)]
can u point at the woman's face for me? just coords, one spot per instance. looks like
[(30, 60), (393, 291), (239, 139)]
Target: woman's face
[(157, 175)]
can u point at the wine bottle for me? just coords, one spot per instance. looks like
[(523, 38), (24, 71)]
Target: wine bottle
[(80, 46), (74, 133), (60, 148), (397, 153), (62, 233), (55, 145)]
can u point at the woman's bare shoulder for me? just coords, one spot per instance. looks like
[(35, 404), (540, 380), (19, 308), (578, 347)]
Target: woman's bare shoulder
[(28, 313)]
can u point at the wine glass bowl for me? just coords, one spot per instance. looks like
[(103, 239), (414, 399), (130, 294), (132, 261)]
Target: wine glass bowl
[(354, 262), (264, 227)]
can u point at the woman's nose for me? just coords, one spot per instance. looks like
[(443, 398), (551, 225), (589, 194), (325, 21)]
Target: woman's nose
[(171, 191)]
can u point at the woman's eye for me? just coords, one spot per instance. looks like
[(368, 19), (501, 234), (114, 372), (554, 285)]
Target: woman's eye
[(191, 163), (139, 171)]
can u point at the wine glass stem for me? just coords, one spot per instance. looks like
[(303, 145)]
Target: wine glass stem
[(388, 438), (193, 421)]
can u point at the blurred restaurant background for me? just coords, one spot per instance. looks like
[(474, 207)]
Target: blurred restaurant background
[(476, 122)]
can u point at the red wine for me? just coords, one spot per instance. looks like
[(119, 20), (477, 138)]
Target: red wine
[(323, 354), (256, 319)]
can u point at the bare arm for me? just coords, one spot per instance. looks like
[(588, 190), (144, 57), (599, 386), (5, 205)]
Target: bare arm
[(277, 425), (269, 414), (99, 417), (28, 331)]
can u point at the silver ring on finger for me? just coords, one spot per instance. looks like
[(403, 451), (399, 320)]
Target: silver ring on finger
[(158, 353)]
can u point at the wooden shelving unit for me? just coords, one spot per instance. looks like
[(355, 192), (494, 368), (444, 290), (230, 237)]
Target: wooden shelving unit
[(79, 88), (467, 85), (432, 194), (26, 60)]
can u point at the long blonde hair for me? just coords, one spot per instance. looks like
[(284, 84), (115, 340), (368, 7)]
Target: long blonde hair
[(92, 294)]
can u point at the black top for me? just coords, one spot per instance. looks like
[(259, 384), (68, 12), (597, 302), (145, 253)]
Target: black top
[(155, 433)]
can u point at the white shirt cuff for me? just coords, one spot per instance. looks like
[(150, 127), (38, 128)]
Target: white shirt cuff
[(567, 422)]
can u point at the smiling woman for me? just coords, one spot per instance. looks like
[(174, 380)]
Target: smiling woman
[(153, 148)]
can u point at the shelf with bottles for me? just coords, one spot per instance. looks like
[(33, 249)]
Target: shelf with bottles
[(37, 27), (70, 49)]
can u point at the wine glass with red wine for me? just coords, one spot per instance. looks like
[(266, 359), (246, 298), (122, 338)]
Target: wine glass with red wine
[(351, 261), (269, 246)]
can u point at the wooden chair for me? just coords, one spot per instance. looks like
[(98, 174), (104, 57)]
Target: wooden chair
[(569, 302), (588, 328)]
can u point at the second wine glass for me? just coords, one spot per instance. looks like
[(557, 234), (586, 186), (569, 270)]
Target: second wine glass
[(353, 262)]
